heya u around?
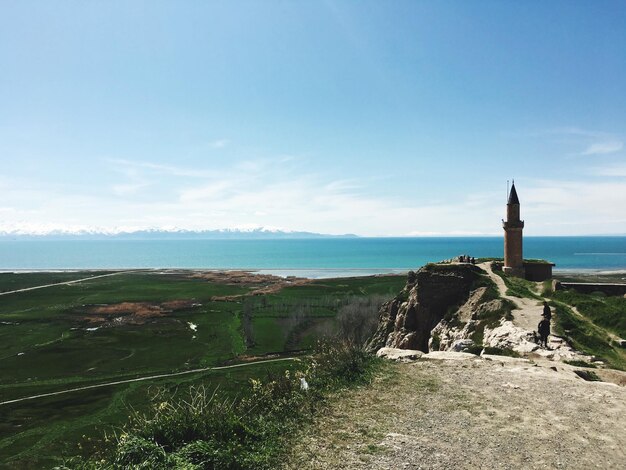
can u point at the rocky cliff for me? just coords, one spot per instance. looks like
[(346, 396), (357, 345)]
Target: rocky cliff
[(435, 295)]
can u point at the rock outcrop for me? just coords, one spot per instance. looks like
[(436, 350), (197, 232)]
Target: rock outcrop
[(432, 294)]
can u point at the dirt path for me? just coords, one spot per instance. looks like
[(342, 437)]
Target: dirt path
[(470, 414), (528, 312), (66, 283), (141, 379)]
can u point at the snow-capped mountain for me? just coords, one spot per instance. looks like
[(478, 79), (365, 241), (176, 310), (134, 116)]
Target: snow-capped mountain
[(160, 234)]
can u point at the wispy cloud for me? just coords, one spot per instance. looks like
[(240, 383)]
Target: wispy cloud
[(577, 207), (125, 189), (616, 170), (220, 143), (591, 142), (602, 148), (126, 166)]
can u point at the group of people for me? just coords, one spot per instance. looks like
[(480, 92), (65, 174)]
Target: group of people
[(544, 325), (467, 259)]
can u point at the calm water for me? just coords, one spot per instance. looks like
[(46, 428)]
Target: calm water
[(339, 256)]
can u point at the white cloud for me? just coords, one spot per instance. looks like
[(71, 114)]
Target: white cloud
[(616, 170), (278, 193), (220, 143), (576, 207), (602, 148), (130, 167), (593, 142), (125, 189)]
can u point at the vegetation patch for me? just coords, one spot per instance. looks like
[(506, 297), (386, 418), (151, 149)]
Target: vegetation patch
[(584, 336), (588, 375), (474, 349), (435, 342), (579, 363), (518, 287), (47, 346), (204, 429), (606, 311), (501, 352)]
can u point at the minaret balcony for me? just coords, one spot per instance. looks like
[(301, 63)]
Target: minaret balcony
[(512, 224)]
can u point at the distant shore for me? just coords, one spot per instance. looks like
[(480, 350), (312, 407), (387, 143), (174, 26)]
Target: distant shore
[(308, 273)]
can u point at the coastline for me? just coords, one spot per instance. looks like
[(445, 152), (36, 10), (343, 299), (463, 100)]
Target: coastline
[(307, 273)]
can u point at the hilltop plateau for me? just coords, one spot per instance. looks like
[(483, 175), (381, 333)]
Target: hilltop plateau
[(469, 387)]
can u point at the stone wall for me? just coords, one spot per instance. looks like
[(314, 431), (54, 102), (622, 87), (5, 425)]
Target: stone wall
[(537, 272), (590, 287)]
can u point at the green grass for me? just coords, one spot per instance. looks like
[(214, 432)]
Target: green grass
[(48, 326), (491, 319), (202, 428), (11, 281), (518, 287), (585, 336), (607, 312), (501, 352)]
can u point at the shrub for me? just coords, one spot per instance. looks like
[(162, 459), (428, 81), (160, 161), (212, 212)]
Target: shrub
[(588, 375), (435, 344), (203, 429), (358, 319), (501, 352), (474, 349)]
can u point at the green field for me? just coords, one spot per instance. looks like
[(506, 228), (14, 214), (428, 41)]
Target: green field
[(53, 339)]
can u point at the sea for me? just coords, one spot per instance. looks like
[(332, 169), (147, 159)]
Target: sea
[(316, 257)]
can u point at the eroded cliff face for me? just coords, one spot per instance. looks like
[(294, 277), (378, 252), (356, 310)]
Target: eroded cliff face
[(431, 294)]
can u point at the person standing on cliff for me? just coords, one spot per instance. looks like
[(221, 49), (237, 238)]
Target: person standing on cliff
[(547, 313)]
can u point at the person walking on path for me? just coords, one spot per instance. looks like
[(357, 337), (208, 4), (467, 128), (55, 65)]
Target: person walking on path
[(547, 313), (544, 331)]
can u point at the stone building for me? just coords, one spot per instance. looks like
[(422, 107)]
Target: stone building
[(514, 264), (513, 226)]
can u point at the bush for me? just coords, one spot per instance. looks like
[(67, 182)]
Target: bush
[(588, 375), (358, 319), (501, 352), (474, 349), (435, 343), (203, 429)]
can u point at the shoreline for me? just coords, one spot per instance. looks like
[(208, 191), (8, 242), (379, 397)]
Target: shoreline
[(308, 273)]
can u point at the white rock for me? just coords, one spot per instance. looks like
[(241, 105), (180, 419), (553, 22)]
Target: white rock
[(461, 344), (396, 354), (449, 355), (509, 336)]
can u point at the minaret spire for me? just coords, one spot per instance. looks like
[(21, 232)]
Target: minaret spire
[(513, 199), (513, 226)]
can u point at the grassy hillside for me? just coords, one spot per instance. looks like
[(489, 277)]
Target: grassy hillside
[(73, 335)]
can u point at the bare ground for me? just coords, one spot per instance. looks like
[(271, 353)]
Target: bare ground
[(470, 414), (135, 313), (261, 284)]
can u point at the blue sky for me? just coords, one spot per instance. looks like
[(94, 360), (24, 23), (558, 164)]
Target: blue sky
[(375, 118)]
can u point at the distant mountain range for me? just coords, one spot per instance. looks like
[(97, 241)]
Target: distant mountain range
[(159, 234)]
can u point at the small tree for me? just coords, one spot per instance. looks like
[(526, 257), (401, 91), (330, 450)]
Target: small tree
[(357, 320)]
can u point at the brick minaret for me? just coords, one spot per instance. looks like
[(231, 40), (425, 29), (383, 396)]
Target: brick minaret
[(513, 258)]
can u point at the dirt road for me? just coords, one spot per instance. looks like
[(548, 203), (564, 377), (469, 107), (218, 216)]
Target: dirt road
[(66, 283), (141, 379)]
